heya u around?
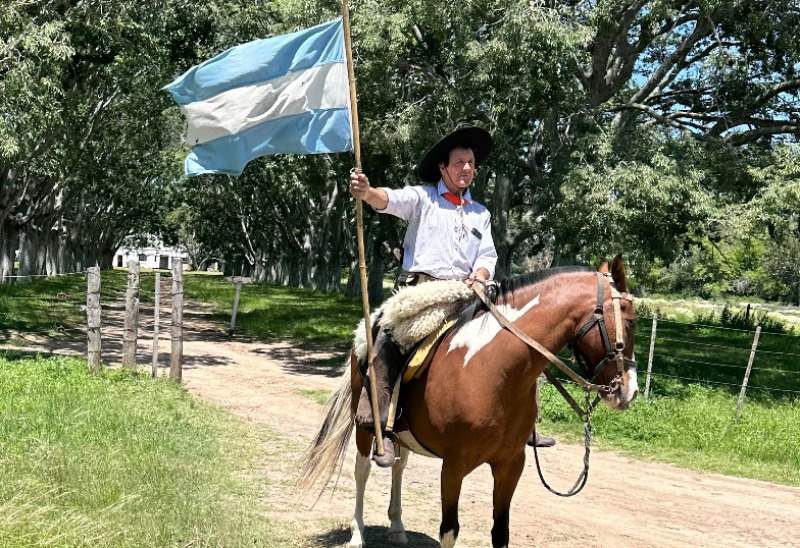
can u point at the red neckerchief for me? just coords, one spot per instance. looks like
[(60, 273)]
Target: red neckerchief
[(455, 200)]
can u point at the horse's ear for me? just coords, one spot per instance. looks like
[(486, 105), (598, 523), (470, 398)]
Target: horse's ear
[(618, 274), (603, 268)]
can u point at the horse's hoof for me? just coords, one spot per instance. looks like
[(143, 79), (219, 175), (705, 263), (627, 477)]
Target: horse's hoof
[(398, 537)]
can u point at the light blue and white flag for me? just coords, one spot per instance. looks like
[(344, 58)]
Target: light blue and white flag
[(282, 95)]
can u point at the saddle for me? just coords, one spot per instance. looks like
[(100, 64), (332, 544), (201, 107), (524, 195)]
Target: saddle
[(421, 357)]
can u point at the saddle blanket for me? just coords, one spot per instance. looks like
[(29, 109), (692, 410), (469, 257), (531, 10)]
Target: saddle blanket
[(414, 312)]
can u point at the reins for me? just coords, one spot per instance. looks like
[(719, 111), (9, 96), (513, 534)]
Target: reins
[(612, 353)]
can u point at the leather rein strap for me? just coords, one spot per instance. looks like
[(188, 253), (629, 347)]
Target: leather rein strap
[(480, 290), (552, 358), (612, 353)]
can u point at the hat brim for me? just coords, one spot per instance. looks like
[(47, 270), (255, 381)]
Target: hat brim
[(475, 138)]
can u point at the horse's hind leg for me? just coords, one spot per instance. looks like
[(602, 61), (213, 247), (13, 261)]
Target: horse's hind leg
[(397, 533), (363, 464), (506, 477)]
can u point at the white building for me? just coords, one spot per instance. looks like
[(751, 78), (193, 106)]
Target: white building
[(154, 254)]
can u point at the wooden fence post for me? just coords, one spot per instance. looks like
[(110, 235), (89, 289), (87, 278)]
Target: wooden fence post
[(747, 373), (235, 307), (176, 358), (93, 351), (650, 358), (131, 328), (156, 320)]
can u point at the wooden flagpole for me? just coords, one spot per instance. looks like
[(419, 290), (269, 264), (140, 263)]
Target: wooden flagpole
[(362, 263)]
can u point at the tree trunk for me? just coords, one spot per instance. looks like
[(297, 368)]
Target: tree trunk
[(8, 246), (31, 255), (501, 203)]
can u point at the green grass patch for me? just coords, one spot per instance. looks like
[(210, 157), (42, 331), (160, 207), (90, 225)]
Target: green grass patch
[(319, 396), (271, 311), (689, 420), (55, 306), (692, 426), (120, 459)]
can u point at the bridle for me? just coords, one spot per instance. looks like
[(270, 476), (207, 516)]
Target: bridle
[(614, 353)]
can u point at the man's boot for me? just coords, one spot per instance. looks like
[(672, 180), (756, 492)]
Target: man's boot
[(388, 364), (538, 440)]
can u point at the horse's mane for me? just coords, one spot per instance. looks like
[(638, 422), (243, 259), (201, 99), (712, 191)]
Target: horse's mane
[(508, 286)]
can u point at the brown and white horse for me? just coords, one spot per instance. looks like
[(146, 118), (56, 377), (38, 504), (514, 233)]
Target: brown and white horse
[(474, 405)]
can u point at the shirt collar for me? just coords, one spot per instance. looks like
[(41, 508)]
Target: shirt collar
[(442, 188)]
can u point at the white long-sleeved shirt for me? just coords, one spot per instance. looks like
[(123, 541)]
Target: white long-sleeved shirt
[(443, 240)]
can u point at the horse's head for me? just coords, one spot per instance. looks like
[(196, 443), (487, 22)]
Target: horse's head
[(603, 345)]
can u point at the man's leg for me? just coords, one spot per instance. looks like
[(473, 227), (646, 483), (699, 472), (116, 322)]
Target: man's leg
[(388, 364), (537, 439)]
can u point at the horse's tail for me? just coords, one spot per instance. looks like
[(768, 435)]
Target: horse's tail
[(326, 453)]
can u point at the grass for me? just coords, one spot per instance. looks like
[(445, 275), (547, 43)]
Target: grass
[(319, 396), (697, 373), (692, 426), (689, 419), (271, 311), (54, 307), (122, 460)]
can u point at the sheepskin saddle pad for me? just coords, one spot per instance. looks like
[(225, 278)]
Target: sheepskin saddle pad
[(414, 312)]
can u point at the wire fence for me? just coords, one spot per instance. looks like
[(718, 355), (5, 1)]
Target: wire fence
[(732, 359)]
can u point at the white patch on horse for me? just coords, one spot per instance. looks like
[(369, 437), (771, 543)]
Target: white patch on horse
[(448, 540), (481, 331), (633, 381)]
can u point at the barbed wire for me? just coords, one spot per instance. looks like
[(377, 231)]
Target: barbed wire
[(703, 344), (694, 379), (709, 326), (775, 352), (672, 358), (18, 276), (749, 386)]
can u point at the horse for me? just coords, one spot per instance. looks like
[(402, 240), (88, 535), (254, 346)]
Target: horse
[(475, 404)]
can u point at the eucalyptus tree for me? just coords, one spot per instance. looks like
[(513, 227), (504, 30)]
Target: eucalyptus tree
[(82, 138), (616, 123), (567, 87)]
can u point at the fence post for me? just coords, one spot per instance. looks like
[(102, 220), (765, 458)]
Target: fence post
[(235, 307), (131, 327), (93, 350), (176, 358), (156, 320), (747, 373), (650, 358)]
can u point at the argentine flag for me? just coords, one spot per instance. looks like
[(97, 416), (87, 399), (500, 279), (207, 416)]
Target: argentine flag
[(282, 95)]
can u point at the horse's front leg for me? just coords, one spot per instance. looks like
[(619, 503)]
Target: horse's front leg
[(452, 477), (363, 464), (506, 477), (397, 533)]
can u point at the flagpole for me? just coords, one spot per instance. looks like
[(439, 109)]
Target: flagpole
[(362, 266)]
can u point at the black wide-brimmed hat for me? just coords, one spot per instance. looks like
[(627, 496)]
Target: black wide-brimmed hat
[(475, 138)]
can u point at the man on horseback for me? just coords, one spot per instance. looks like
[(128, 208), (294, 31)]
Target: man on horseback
[(448, 238)]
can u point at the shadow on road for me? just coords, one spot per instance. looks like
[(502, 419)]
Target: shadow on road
[(374, 537)]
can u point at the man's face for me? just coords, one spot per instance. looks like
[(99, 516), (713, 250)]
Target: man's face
[(459, 171)]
